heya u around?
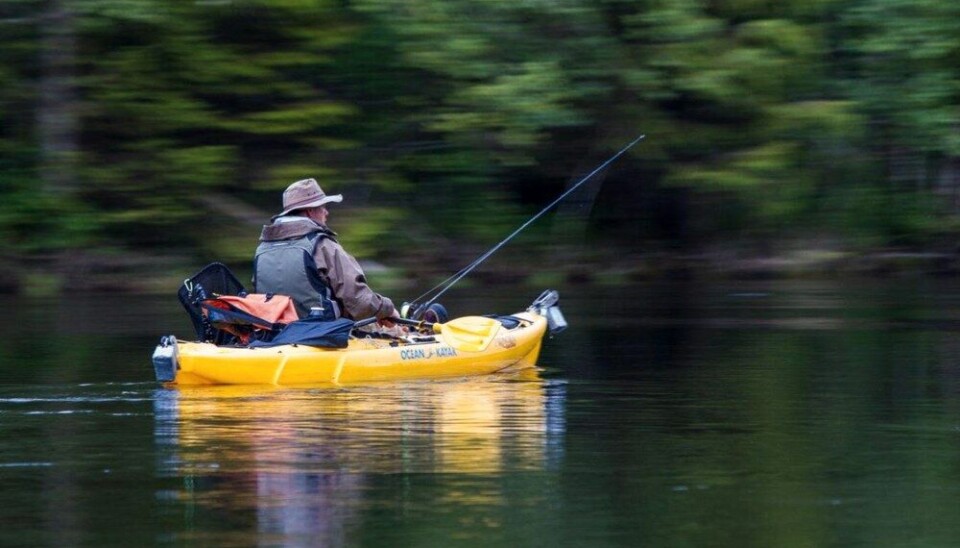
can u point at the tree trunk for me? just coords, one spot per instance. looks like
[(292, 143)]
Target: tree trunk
[(56, 112)]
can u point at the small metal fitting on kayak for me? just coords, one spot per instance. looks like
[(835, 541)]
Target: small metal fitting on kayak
[(555, 320), (547, 305), (165, 359)]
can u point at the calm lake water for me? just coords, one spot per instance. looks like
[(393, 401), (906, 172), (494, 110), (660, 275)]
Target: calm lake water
[(752, 414)]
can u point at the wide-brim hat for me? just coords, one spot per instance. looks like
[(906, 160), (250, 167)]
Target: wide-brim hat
[(305, 194)]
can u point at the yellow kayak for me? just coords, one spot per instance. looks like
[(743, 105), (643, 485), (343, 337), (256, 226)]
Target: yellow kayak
[(470, 345)]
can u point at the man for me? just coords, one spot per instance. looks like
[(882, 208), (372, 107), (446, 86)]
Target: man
[(299, 256)]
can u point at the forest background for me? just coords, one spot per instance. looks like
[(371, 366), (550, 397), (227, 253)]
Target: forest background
[(141, 139)]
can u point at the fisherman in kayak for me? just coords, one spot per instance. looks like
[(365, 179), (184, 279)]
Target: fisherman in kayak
[(299, 256)]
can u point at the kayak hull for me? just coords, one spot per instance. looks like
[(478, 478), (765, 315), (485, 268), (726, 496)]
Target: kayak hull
[(363, 360)]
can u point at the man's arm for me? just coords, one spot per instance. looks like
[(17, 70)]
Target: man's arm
[(349, 284)]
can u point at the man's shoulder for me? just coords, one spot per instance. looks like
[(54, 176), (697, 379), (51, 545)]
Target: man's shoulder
[(330, 243), (289, 227)]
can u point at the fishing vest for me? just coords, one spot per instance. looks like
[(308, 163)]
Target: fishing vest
[(286, 267)]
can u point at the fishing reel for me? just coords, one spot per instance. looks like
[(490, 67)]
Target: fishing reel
[(435, 313)]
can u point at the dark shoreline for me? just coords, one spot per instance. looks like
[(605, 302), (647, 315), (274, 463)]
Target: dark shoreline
[(89, 272)]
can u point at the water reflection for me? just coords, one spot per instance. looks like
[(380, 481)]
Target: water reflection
[(300, 462)]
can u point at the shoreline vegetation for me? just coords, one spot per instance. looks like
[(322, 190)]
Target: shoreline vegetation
[(141, 140), (85, 272)]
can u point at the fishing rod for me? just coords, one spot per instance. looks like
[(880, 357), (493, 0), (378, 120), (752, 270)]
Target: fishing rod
[(452, 280)]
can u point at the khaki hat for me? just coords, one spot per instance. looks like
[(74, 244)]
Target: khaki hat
[(305, 194)]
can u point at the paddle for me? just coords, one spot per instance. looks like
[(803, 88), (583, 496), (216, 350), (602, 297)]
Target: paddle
[(468, 334)]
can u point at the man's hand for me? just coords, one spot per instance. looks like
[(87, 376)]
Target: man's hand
[(385, 322)]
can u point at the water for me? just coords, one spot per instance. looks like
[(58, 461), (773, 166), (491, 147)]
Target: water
[(755, 414)]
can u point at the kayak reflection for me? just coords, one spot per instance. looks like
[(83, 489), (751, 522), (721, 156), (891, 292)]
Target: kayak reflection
[(302, 458)]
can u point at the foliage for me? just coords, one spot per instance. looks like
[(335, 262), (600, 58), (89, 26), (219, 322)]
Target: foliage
[(458, 119)]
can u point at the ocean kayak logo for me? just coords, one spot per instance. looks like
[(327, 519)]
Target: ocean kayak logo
[(424, 353)]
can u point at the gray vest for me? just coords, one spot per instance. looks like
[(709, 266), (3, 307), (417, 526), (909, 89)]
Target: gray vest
[(286, 267)]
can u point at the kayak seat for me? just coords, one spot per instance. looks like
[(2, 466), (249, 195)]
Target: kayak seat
[(213, 280), (254, 316)]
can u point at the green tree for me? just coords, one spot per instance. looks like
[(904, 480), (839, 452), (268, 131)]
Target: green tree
[(495, 82), (738, 98), (190, 106), (904, 74)]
